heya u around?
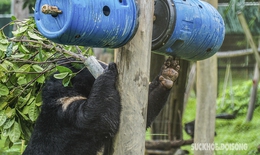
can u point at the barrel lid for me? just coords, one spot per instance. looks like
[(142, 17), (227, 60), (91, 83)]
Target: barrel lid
[(49, 25), (164, 22)]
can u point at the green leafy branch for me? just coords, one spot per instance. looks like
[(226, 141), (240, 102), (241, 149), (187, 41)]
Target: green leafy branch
[(26, 60)]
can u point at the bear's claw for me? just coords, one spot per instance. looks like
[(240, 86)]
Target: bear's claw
[(169, 72)]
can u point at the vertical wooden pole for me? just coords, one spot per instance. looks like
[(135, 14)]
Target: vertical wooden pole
[(206, 100), (133, 61), (253, 95)]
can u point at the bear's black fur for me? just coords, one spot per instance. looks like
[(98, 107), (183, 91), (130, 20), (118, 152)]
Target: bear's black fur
[(82, 118)]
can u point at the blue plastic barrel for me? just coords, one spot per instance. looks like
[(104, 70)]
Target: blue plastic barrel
[(95, 23), (188, 29)]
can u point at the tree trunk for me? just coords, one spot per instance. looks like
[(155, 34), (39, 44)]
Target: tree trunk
[(18, 11), (133, 61), (206, 100)]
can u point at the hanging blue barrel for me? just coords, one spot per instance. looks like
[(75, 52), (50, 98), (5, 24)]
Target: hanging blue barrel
[(95, 23), (189, 29)]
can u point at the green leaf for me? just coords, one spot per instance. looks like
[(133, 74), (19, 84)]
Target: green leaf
[(5, 133), (3, 47), (15, 47), (3, 90), (26, 131), (20, 30), (31, 101), (66, 81), (13, 18), (62, 69), (41, 79), (33, 112), (9, 123), (3, 68), (26, 110), (23, 49), (2, 117), (1, 55), (3, 105), (21, 55), (10, 112), (78, 65), (4, 41), (40, 54), (38, 104), (23, 115), (23, 69), (34, 36), (6, 64), (8, 142), (22, 80), (37, 68), (15, 132), (61, 75), (23, 100)]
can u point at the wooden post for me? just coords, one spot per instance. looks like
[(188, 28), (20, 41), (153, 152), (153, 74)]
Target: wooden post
[(133, 61), (206, 100), (253, 95), (206, 103)]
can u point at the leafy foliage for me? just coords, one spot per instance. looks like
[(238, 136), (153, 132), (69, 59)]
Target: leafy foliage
[(25, 62), (236, 99), (5, 6)]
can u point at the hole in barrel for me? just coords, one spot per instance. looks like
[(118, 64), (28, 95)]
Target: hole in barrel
[(200, 6), (54, 15), (106, 10), (208, 50), (77, 36), (120, 1)]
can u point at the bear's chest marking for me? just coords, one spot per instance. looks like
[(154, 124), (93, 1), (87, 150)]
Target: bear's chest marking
[(66, 101)]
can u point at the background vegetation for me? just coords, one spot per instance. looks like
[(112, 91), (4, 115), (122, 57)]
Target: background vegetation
[(236, 130)]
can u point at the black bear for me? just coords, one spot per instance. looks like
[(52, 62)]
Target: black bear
[(82, 118)]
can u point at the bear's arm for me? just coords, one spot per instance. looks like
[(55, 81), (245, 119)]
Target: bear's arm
[(100, 112), (157, 98), (160, 87)]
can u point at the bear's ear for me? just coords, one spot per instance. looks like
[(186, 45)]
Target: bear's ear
[(66, 101)]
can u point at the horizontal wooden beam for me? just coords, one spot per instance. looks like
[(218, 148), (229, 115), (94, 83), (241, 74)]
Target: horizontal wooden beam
[(236, 53), (166, 145)]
